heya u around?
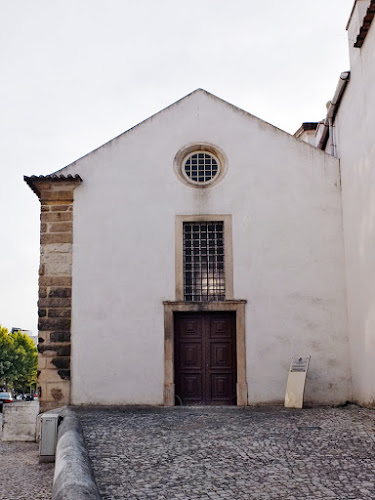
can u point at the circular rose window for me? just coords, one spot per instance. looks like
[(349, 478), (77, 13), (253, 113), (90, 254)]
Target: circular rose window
[(200, 167)]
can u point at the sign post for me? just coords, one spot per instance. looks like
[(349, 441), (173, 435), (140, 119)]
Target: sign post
[(295, 387)]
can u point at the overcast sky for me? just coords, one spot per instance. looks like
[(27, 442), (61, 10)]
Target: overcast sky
[(76, 73)]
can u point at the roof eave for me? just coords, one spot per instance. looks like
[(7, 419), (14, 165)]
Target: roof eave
[(34, 179)]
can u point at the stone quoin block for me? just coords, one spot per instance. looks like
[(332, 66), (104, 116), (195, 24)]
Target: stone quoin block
[(43, 337), (53, 323), (60, 336), (60, 292), (51, 365), (55, 302), (42, 362), (61, 363), (49, 375), (54, 349), (58, 196), (58, 392), (56, 216), (55, 280), (54, 250), (56, 238), (60, 208), (64, 374), (59, 313), (60, 227), (58, 269)]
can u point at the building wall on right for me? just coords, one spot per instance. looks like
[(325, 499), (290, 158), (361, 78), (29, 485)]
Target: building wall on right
[(355, 135)]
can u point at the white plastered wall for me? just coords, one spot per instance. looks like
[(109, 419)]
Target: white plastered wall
[(355, 126), (284, 198)]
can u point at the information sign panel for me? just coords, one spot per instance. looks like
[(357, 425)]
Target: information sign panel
[(295, 388), (300, 364)]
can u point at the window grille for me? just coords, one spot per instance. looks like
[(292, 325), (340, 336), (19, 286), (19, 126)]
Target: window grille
[(204, 273), (201, 167)]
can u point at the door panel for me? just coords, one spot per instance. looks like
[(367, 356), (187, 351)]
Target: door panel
[(205, 358), (190, 355), (220, 356), (191, 388), (221, 386), (189, 358), (221, 327)]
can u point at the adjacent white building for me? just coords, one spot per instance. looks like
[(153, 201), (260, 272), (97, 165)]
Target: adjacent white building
[(187, 260), (348, 133)]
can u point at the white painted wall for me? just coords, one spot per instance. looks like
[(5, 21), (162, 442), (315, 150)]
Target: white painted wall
[(355, 126), (284, 197)]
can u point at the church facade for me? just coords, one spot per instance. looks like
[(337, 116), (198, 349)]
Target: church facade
[(187, 260)]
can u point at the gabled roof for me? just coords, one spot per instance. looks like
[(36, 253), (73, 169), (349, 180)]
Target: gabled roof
[(197, 91)]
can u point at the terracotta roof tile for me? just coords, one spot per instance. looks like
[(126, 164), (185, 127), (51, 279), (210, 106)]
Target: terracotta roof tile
[(367, 21), (30, 181)]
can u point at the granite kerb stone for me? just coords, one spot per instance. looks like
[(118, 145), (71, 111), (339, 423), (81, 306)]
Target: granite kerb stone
[(74, 478)]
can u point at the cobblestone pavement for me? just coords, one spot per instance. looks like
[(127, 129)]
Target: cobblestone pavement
[(232, 453), (21, 476)]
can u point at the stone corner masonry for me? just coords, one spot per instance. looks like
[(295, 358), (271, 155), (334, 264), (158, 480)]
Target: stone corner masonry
[(55, 286)]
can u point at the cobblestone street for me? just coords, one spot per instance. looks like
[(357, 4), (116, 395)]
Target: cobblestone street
[(21, 476), (234, 453)]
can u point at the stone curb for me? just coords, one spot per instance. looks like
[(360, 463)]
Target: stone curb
[(74, 478)]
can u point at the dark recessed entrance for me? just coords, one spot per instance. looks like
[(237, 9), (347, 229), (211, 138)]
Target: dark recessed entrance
[(205, 358)]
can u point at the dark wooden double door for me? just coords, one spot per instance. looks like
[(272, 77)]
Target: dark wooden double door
[(205, 358)]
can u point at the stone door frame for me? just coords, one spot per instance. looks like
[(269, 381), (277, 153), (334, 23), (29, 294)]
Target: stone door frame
[(171, 307)]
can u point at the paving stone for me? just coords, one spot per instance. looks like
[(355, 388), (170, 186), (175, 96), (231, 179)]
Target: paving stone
[(193, 453), (21, 476)]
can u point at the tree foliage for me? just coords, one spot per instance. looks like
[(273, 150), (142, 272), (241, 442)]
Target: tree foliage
[(18, 359)]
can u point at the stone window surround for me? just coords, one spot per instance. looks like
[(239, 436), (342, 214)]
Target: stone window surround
[(202, 147), (179, 305)]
